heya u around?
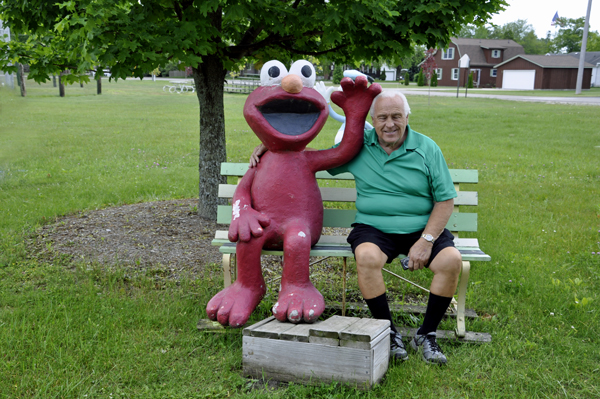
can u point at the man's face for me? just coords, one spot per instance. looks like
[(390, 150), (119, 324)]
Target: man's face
[(390, 122)]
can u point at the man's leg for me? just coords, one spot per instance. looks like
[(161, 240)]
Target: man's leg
[(369, 263), (446, 269)]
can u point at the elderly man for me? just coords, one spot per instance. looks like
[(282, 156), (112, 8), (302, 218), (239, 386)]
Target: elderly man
[(405, 197)]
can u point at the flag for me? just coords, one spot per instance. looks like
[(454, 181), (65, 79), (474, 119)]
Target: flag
[(554, 19)]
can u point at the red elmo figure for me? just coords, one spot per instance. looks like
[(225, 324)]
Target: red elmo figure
[(278, 204)]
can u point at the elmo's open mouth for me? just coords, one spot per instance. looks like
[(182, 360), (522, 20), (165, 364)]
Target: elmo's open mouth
[(291, 117)]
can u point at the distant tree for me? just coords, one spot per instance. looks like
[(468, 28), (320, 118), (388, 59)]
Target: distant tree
[(519, 31), (421, 78), (475, 32), (428, 66), (593, 43), (412, 60), (338, 74), (569, 36)]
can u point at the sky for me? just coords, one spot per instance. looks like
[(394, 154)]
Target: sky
[(539, 13)]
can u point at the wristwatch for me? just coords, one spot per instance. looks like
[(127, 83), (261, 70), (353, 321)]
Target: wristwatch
[(428, 238)]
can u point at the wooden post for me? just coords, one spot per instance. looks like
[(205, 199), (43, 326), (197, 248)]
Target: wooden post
[(344, 288), (54, 80), (61, 85)]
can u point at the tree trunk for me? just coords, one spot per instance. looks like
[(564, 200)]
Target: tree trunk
[(99, 73), (208, 78), (22, 80), (61, 85), (54, 80)]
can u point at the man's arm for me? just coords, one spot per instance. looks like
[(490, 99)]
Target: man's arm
[(421, 251)]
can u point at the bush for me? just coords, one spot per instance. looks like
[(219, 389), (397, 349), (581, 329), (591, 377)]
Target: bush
[(338, 74), (420, 78), (434, 81), (406, 79), (470, 81)]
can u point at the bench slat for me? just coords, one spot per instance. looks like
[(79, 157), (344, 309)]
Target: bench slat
[(345, 251), (345, 217), (338, 194), (458, 175)]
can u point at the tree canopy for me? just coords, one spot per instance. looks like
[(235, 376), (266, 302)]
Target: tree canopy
[(133, 37)]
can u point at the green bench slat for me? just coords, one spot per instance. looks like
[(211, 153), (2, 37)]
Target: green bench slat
[(469, 254), (459, 221), (458, 175)]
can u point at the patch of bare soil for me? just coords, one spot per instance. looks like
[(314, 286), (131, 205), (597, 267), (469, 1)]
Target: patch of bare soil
[(166, 236)]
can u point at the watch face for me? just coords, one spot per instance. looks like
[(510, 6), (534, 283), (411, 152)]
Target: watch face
[(428, 237)]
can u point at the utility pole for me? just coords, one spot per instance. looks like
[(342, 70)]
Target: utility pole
[(583, 48)]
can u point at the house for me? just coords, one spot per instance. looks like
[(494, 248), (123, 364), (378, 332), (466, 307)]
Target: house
[(592, 57), (534, 72), (484, 55)]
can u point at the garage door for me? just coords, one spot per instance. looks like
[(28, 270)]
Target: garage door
[(519, 80)]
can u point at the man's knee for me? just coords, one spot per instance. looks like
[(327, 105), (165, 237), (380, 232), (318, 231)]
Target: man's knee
[(448, 262), (369, 257)]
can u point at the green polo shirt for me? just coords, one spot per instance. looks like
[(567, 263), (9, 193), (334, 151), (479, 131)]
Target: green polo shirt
[(396, 192)]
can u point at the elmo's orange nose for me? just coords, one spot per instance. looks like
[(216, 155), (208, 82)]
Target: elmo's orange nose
[(292, 84)]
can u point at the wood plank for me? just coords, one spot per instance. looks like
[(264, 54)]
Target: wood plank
[(466, 198), (446, 335), (458, 175), (273, 329), (248, 330), (209, 325), (331, 327), (345, 217), (464, 175), (305, 362), (324, 341), (339, 194), (394, 307), (364, 330), (299, 333), (384, 336)]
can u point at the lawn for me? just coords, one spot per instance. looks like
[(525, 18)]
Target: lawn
[(73, 329)]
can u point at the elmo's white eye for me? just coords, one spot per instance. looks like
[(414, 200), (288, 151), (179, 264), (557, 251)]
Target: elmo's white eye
[(306, 71), (272, 72)]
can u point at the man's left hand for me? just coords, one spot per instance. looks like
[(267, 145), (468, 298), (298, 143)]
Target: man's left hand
[(419, 254)]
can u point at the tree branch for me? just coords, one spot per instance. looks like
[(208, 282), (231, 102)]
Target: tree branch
[(315, 53), (177, 8), (296, 3)]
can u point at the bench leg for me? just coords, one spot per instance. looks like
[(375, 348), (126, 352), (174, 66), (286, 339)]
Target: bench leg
[(226, 270), (462, 294), (344, 288)]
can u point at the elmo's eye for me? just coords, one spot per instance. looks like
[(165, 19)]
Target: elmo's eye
[(306, 71), (272, 72)]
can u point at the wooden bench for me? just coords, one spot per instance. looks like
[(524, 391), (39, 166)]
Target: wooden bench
[(337, 246)]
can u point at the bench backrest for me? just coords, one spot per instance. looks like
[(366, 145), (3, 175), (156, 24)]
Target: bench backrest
[(459, 222)]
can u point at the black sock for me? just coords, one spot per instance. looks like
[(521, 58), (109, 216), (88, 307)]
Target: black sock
[(380, 309), (436, 309)]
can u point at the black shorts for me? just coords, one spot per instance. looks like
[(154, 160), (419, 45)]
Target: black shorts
[(395, 244)]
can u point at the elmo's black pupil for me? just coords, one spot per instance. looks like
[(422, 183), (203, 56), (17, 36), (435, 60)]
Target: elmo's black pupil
[(274, 72), (306, 71)]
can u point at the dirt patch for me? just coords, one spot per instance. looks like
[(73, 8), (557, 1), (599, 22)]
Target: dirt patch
[(167, 237)]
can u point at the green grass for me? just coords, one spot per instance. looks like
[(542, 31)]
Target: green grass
[(71, 330)]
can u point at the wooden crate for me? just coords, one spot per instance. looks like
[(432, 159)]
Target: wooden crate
[(344, 349)]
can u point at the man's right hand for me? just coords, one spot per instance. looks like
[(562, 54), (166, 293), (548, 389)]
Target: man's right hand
[(259, 150)]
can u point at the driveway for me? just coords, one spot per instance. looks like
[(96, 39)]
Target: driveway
[(535, 99)]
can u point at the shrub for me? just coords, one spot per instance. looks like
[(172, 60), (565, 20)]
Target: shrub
[(420, 78), (434, 81), (470, 81), (338, 74), (406, 78)]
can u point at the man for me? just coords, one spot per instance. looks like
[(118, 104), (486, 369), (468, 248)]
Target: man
[(405, 197)]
